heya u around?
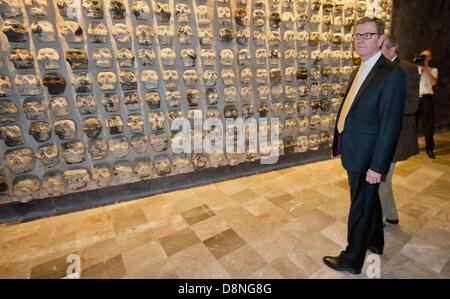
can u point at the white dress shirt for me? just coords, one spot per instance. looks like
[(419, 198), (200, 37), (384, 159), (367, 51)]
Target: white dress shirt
[(425, 85)]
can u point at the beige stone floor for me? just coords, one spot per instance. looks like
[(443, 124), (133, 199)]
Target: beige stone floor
[(272, 225)]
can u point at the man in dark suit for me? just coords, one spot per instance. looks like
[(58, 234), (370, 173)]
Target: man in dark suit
[(407, 145), (367, 129)]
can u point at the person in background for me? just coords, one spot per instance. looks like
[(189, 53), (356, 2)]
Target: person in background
[(367, 128), (407, 144), (428, 79)]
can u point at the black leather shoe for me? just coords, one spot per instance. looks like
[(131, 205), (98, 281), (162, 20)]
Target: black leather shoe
[(375, 250), (431, 154), (395, 221), (334, 263)]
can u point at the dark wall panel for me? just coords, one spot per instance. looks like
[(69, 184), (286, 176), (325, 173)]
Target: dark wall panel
[(418, 25)]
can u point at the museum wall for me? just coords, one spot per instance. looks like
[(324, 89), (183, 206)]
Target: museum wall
[(422, 25), (89, 89)]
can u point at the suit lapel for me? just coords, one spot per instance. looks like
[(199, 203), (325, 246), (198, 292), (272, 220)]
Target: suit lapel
[(373, 72)]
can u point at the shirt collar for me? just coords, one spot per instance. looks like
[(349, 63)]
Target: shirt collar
[(371, 62)]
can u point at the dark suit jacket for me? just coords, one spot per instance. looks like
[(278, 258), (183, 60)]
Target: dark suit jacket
[(408, 145), (374, 120)]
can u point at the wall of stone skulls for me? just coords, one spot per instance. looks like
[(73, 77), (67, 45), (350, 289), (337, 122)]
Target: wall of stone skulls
[(89, 88)]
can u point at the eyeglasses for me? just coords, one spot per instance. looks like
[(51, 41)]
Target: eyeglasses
[(365, 36)]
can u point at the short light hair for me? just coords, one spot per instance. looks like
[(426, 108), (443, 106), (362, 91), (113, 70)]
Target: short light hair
[(378, 22), (390, 42)]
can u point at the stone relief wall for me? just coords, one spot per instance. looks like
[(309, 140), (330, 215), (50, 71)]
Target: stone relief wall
[(89, 89)]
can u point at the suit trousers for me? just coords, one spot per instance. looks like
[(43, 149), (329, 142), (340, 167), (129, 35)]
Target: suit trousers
[(426, 112), (387, 196), (365, 224)]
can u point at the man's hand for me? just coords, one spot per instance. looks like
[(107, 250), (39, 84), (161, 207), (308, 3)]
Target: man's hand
[(373, 177)]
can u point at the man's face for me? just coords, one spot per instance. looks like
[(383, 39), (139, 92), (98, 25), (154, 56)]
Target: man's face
[(388, 53), (366, 48), (428, 56)]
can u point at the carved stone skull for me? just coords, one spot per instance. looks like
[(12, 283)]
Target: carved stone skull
[(262, 76), (77, 178), (77, 59), (259, 18), (226, 35), (40, 131), (228, 76), (98, 149), (21, 58), (44, 31), (94, 8), (48, 155), (65, 129), (135, 123), (159, 141), (10, 9), (205, 36), (150, 79), (119, 146), (163, 12), (170, 78), (98, 33), (153, 99), (165, 35), (128, 80), (140, 10), (314, 141), (259, 38), (156, 120), (117, 9), (246, 76), (302, 144), (163, 165), (139, 143), (226, 57), (125, 57), (92, 127), (121, 33), (203, 15), (86, 104), (19, 160), (212, 96), (143, 168), (102, 57), (230, 94), (12, 134), (188, 57), (26, 188), (107, 81), (183, 13), (15, 31), (173, 98), (55, 83), (224, 15), (168, 56), (67, 8), (28, 85), (123, 172), (185, 35), (190, 78), (102, 175), (111, 102), (132, 100), (144, 34), (210, 77), (82, 82), (73, 152), (208, 57), (72, 31), (147, 56)]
